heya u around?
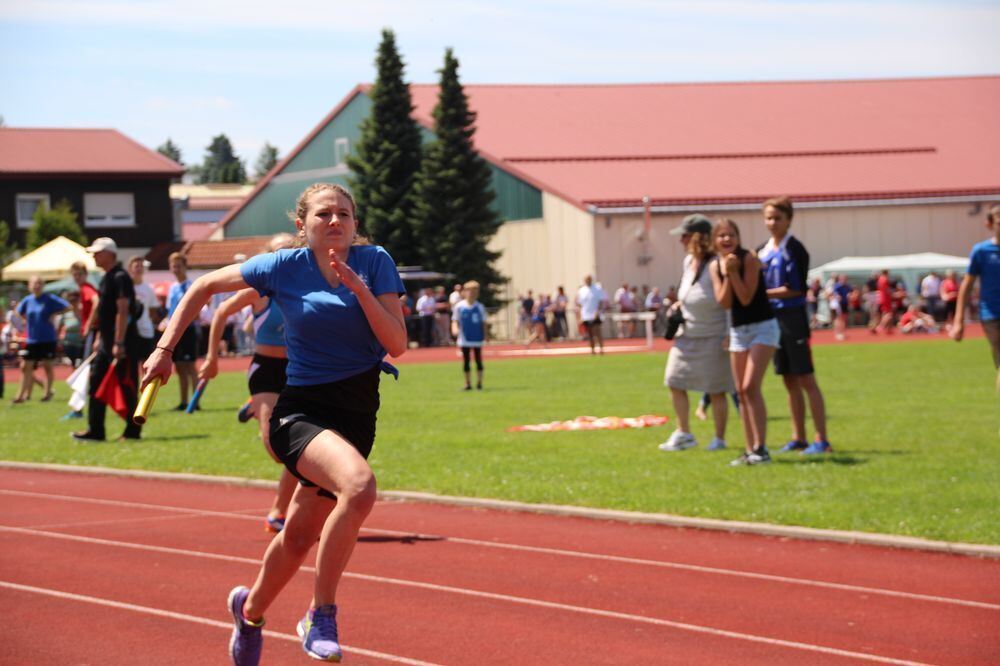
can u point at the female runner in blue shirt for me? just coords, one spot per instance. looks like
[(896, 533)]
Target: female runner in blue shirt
[(340, 301)]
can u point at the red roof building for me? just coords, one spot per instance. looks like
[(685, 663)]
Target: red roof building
[(117, 187), (590, 178)]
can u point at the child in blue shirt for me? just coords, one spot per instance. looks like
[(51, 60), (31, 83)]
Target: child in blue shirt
[(340, 302), (984, 264), (468, 324), (786, 264), (38, 309)]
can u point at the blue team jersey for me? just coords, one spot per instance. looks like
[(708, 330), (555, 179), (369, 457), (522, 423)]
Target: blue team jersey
[(471, 323), (174, 296), (269, 326), (326, 331), (38, 311), (785, 265), (984, 263)]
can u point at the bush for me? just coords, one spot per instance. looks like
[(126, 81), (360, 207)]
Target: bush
[(49, 224)]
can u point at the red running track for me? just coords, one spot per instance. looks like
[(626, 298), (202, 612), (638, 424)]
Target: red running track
[(108, 570)]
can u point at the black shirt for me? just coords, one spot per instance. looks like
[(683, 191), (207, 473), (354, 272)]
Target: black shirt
[(759, 308), (115, 284)]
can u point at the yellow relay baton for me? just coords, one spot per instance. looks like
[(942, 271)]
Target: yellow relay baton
[(146, 401)]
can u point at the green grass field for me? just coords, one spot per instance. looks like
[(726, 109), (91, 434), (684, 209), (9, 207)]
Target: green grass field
[(915, 428)]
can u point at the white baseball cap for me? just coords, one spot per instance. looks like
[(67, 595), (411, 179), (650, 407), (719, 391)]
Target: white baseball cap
[(103, 244)]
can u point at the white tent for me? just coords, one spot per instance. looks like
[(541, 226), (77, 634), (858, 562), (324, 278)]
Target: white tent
[(51, 261), (909, 267)]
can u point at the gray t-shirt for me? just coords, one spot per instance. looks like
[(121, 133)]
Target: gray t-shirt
[(703, 317)]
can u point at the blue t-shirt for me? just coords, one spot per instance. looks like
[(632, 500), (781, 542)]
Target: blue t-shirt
[(785, 265), (984, 263), (174, 296), (327, 333), (269, 326), (38, 311), (471, 323)]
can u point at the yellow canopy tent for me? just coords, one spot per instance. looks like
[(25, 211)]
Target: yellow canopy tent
[(51, 261)]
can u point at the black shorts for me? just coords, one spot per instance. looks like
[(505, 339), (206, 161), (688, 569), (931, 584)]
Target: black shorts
[(474, 351), (40, 351), (794, 356), (186, 350), (589, 325), (144, 347), (303, 412), (266, 374)]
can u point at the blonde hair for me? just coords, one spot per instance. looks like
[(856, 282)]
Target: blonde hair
[(471, 284), (179, 257), (280, 241), (721, 222), (78, 266)]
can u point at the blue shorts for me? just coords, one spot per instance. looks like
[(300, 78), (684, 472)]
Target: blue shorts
[(742, 338)]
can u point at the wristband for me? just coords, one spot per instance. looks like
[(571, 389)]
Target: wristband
[(166, 349)]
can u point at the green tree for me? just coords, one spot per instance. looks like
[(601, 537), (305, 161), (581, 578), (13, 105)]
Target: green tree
[(387, 158), (266, 161), (454, 215), (49, 224), (221, 165), (171, 151), (7, 248)]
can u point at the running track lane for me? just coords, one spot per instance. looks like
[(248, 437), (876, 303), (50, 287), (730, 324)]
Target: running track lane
[(125, 564)]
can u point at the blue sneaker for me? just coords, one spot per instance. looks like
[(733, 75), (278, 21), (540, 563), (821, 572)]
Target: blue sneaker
[(246, 412), (819, 446), (794, 445), (71, 415), (321, 640), (248, 639)]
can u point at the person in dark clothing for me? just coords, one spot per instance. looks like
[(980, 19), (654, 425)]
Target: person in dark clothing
[(117, 342)]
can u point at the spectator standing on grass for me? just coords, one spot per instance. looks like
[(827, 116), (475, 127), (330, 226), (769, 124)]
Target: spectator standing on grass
[(89, 299), (591, 301), (116, 343), (39, 310), (560, 328), (786, 264), (426, 309), (70, 334), (148, 306), (538, 316), (838, 296), (442, 317), (698, 360), (930, 291), (468, 325), (625, 302), (185, 352), (984, 265), (738, 281), (949, 298)]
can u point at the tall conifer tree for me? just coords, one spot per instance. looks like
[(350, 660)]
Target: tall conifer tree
[(387, 158), (454, 216)]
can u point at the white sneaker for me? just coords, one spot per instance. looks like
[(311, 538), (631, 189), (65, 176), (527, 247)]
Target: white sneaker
[(678, 441), (717, 444)]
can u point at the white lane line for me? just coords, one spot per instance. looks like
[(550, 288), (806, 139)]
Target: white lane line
[(694, 567), (859, 589), (146, 610), (490, 595)]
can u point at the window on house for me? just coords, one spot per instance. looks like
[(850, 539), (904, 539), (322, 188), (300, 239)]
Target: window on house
[(341, 149), (27, 204), (109, 210)]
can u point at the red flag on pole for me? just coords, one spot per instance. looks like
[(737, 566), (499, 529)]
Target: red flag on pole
[(111, 394)]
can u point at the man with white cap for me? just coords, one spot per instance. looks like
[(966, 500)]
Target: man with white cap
[(116, 341)]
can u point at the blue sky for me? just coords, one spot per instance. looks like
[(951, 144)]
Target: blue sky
[(269, 71)]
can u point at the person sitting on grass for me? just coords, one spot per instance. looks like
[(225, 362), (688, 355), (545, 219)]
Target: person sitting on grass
[(915, 320), (468, 325)]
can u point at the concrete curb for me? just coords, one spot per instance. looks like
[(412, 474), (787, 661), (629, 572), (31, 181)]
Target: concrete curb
[(764, 529)]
